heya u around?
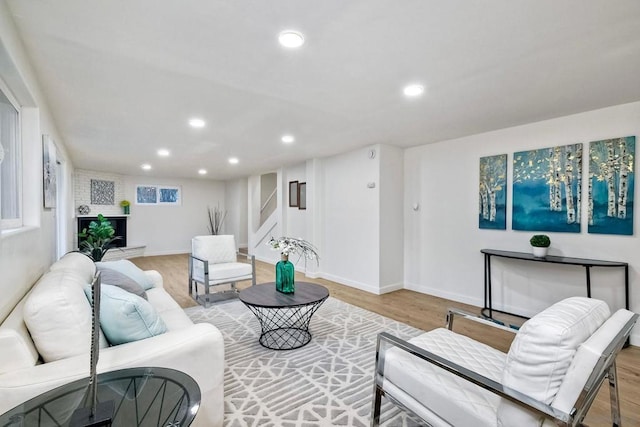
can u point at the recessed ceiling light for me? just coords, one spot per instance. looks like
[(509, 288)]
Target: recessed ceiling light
[(202, 171), (146, 166), (233, 160), (288, 139), (291, 39), (196, 123), (163, 152), (413, 90)]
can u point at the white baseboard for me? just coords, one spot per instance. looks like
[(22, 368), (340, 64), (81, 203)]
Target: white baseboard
[(444, 294), (167, 252), (390, 288), (352, 283)]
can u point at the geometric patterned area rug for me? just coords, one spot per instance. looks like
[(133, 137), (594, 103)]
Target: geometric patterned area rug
[(328, 382)]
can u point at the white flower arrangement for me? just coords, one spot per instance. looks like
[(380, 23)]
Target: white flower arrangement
[(292, 245)]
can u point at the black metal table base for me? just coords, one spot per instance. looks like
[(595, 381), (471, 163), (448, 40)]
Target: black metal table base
[(285, 328)]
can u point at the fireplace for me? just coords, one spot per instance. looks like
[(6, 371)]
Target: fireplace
[(119, 224)]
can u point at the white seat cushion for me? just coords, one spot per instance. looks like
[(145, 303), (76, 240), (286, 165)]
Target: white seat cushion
[(453, 399), (173, 316), (542, 351), (221, 273)]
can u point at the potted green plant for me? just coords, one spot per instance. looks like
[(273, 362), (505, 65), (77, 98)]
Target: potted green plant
[(540, 244), (97, 238), (125, 206), (285, 271)]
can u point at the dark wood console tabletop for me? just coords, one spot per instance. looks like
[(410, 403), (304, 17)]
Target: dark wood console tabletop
[(581, 262)]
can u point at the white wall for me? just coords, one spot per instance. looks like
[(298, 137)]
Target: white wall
[(82, 191), (442, 240), (351, 220), (169, 229), (391, 183), (236, 204), (27, 253), (294, 219)]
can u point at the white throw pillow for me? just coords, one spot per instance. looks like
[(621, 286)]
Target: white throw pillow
[(542, 351), (58, 315)]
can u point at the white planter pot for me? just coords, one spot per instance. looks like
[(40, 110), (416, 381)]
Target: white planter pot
[(539, 252)]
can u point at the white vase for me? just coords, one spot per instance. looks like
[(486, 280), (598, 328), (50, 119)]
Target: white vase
[(539, 252)]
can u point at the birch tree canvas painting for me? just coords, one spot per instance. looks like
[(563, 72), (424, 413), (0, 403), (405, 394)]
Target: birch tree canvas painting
[(547, 186), (611, 186), (493, 197)]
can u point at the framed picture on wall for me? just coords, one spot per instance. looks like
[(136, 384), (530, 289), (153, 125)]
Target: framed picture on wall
[(302, 195), (158, 195), (293, 194), (49, 185)]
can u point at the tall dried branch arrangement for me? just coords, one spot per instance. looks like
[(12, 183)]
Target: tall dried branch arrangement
[(216, 219)]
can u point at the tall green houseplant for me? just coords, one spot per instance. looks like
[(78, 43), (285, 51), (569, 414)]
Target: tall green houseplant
[(98, 238)]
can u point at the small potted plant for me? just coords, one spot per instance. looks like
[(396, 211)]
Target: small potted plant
[(97, 238), (125, 206), (540, 244)]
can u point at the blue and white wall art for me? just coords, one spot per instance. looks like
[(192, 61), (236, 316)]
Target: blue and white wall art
[(493, 192), (547, 186), (611, 186)]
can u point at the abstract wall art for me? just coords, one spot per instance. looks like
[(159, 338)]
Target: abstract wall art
[(547, 186), (102, 192), (611, 186), (49, 183), (158, 195), (493, 194)]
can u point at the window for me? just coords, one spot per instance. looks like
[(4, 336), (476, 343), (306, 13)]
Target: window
[(10, 170)]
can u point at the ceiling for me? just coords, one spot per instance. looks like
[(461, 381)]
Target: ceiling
[(123, 77)]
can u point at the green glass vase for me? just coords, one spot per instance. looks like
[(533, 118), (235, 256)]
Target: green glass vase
[(285, 273)]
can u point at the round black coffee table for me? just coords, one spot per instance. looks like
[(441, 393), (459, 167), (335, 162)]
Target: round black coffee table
[(284, 318), (141, 397)]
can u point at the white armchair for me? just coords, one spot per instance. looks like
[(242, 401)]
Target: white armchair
[(551, 375), (214, 262)]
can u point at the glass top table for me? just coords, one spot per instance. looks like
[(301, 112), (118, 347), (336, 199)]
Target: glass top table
[(141, 396)]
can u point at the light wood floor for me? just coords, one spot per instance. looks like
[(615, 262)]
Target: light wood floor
[(424, 312)]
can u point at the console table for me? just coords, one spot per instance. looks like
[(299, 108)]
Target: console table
[(581, 262)]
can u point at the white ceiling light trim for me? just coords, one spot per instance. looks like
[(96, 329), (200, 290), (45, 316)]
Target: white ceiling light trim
[(146, 166), (288, 139), (413, 90), (233, 160), (163, 152), (196, 123), (291, 39)]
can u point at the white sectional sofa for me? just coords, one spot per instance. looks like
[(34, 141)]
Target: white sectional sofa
[(196, 349)]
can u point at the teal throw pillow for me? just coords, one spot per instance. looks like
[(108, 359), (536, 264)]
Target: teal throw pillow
[(125, 317), (115, 278), (127, 268)]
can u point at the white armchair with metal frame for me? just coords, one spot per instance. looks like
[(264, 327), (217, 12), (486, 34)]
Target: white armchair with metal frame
[(551, 375), (214, 263)]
